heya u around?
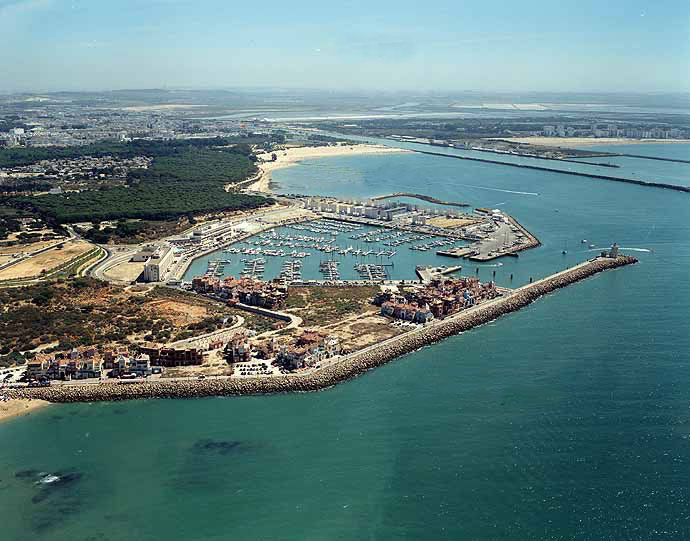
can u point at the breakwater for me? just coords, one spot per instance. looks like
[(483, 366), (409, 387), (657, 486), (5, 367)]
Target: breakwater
[(677, 160), (348, 367), (423, 197), (646, 183)]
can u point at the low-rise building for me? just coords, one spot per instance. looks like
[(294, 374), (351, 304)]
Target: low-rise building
[(437, 299), (270, 295), (309, 349)]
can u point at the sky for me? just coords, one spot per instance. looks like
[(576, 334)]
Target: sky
[(583, 46)]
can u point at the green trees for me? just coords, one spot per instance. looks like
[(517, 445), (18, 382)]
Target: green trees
[(186, 177), (150, 202)]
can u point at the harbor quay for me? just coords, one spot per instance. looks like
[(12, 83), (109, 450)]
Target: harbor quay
[(370, 232), (337, 369), (481, 235)]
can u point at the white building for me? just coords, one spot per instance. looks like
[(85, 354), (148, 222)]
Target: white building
[(158, 264)]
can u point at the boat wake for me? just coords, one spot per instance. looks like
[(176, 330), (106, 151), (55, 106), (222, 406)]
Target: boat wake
[(645, 250), (497, 189), (637, 250)]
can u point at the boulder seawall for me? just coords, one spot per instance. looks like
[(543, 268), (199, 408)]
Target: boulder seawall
[(347, 368)]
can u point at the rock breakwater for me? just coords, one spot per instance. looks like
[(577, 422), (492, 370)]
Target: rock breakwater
[(347, 368)]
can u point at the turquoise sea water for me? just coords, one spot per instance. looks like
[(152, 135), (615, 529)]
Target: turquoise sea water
[(569, 419)]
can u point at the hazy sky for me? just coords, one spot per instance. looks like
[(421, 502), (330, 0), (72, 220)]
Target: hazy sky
[(583, 45)]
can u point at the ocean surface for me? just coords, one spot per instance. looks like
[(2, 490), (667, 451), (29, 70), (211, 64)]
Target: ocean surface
[(569, 419)]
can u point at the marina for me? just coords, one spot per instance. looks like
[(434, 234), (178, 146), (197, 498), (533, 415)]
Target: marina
[(326, 249)]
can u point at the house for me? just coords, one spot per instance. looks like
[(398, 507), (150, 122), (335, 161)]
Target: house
[(309, 349)]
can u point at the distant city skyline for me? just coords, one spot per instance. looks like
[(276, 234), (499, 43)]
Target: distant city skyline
[(634, 46)]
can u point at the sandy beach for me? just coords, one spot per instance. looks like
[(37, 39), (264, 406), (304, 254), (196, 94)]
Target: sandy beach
[(19, 406), (583, 141), (292, 156)]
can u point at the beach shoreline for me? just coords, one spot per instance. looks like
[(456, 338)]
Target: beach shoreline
[(590, 141), (18, 407), (294, 155)]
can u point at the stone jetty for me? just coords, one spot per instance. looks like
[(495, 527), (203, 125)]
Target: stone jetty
[(348, 367)]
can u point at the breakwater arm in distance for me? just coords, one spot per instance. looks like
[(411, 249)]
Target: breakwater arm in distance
[(346, 368), (649, 184), (423, 197), (677, 160)]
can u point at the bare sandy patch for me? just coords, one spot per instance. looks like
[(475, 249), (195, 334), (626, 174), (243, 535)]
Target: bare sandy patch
[(47, 260), (18, 407), (124, 272), (180, 313), (364, 330), (451, 223), (161, 107), (27, 248), (583, 141)]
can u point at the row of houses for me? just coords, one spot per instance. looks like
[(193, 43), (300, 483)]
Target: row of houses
[(88, 363), (271, 295), (437, 299), (307, 350)]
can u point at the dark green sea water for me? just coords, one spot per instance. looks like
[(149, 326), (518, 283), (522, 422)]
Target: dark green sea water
[(567, 420)]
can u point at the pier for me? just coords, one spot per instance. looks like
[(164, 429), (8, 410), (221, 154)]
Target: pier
[(427, 274), (646, 183), (343, 368)]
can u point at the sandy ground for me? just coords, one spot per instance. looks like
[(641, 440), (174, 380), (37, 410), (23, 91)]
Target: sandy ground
[(15, 408), (364, 330), (180, 313), (126, 272), (292, 156), (26, 248), (451, 222), (47, 260), (582, 141), (165, 107)]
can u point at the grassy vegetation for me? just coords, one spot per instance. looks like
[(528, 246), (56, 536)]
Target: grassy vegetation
[(325, 305), (100, 314), (252, 321)]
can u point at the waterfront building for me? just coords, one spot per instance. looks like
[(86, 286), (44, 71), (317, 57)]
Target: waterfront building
[(158, 264), (238, 349), (270, 295), (309, 349), (76, 364), (437, 299)]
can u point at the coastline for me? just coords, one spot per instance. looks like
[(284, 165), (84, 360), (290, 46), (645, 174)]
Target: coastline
[(347, 368), (18, 407), (590, 141), (294, 155)]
